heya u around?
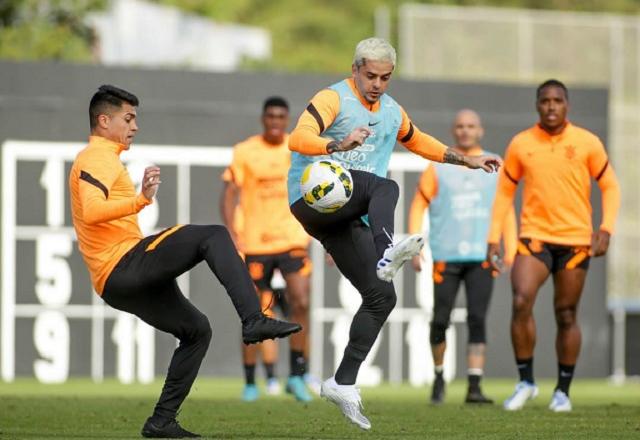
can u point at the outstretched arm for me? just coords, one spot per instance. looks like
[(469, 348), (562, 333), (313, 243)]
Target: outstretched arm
[(430, 148)]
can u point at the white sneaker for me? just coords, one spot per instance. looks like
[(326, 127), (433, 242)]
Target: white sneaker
[(396, 254), (313, 383), (273, 387), (524, 391), (347, 398), (560, 402)]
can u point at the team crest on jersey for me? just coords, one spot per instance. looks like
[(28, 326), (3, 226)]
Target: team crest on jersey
[(569, 151)]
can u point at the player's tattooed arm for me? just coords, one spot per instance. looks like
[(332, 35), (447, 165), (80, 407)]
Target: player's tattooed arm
[(451, 156)]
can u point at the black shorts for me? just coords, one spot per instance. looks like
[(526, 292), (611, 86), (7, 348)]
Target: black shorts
[(261, 267), (555, 256)]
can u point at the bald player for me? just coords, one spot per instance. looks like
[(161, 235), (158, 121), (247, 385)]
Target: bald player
[(459, 202)]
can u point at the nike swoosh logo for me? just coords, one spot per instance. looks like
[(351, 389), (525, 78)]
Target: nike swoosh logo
[(375, 123)]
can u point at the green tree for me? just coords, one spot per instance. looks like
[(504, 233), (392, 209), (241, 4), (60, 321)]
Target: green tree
[(53, 29)]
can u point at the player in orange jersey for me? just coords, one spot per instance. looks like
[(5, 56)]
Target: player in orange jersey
[(271, 239), (556, 161), (137, 274)]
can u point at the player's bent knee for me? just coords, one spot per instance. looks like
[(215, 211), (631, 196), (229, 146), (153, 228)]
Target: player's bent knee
[(379, 298), (392, 188), (437, 335), (201, 328)]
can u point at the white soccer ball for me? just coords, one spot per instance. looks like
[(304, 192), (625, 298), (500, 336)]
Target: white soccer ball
[(326, 185)]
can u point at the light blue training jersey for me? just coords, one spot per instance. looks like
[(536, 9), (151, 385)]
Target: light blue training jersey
[(460, 213), (373, 156)]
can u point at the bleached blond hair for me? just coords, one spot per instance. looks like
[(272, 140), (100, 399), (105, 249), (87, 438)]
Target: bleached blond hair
[(374, 49)]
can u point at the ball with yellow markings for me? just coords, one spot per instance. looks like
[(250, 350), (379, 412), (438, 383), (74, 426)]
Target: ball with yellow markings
[(326, 185)]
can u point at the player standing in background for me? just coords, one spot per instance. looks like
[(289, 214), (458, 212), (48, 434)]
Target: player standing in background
[(271, 239), (459, 202), (137, 274), (556, 160), (355, 123)]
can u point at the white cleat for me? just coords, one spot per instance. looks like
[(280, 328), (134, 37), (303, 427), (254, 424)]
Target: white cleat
[(560, 402), (313, 383), (273, 387), (524, 391), (347, 398), (396, 254)]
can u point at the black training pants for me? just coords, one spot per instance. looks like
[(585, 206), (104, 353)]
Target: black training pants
[(144, 283), (478, 285), (356, 249)]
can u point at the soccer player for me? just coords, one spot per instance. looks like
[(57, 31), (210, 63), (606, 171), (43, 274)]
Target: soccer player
[(555, 160), (459, 202), (271, 239), (137, 274), (357, 124)]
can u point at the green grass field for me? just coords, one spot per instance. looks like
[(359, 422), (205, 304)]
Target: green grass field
[(82, 410)]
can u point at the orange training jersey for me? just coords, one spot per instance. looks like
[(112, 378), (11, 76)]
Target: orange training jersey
[(259, 169), (104, 208), (556, 172)]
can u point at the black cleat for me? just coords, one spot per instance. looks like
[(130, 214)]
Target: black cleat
[(476, 396), (263, 327), (171, 429), (437, 391)]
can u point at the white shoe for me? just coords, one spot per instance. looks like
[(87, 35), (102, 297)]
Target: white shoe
[(524, 391), (396, 254), (347, 398), (273, 387), (313, 383), (560, 402)]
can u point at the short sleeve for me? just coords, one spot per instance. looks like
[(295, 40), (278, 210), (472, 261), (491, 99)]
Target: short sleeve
[(236, 169)]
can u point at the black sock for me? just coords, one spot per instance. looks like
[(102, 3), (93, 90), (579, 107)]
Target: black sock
[(250, 374), (565, 374), (297, 363), (474, 381), (525, 368), (270, 370)]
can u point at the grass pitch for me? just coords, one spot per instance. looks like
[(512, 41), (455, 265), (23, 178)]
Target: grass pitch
[(80, 409)]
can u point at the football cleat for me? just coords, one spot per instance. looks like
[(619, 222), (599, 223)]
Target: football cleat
[(297, 387), (396, 254), (170, 429), (347, 398), (524, 391), (560, 402), (250, 393), (263, 327)]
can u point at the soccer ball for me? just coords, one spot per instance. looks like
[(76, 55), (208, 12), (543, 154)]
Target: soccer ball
[(326, 186)]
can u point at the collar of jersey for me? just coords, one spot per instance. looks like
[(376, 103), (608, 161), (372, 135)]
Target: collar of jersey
[(100, 141), (352, 85), (544, 134), (473, 151)]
